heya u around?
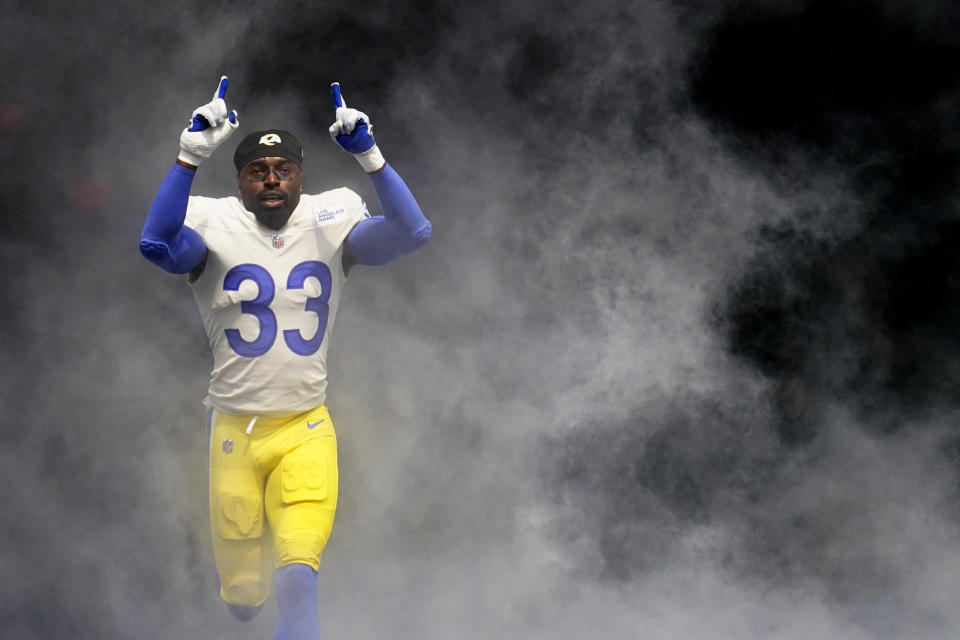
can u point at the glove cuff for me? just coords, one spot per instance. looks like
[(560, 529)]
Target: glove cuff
[(190, 158), (371, 160)]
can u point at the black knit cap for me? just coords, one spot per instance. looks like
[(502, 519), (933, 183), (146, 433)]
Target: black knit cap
[(269, 143)]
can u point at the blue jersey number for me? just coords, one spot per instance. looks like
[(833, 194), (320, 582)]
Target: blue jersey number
[(259, 307), (318, 305)]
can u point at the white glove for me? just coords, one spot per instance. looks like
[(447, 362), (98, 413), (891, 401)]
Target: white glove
[(353, 131), (210, 125)]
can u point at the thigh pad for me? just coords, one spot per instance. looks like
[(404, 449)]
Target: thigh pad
[(239, 511), (304, 475)]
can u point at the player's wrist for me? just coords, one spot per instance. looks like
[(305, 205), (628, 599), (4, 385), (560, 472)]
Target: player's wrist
[(371, 160), (187, 164), (188, 159)]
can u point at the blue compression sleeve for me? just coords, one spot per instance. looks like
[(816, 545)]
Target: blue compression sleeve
[(165, 241), (402, 228)]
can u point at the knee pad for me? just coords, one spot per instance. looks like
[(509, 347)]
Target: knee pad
[(239, 508), (244, 593), (304, 544)]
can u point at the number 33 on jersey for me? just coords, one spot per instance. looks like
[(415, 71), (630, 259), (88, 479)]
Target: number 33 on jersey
[(259, 307), (266, 303)]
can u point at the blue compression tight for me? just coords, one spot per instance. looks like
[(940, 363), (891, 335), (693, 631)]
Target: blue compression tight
[(298, 618)]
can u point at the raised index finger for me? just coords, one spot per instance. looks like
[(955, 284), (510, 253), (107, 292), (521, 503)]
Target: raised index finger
[(337, 98), (222, 87)]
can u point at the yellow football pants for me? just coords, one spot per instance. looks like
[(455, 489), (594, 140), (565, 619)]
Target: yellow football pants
[(273, 494)]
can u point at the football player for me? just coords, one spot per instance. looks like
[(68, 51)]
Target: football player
[(267, 270)]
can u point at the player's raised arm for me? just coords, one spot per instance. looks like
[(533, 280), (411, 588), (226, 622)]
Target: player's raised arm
[(402, 228), (164, 240)]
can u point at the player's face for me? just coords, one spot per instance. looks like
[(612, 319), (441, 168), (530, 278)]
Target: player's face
[(270, 188)]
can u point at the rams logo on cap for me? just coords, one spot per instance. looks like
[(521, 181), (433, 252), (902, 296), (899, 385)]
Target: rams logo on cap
[(270, 139)]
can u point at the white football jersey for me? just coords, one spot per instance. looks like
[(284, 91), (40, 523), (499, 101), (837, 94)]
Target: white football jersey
[(268, 299)]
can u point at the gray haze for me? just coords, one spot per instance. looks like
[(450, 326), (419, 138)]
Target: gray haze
[(500, 395)]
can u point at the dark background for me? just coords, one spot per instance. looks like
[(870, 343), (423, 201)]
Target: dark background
[(680, 361)]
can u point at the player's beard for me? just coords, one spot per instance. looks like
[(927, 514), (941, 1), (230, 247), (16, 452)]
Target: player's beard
[(273, 218)]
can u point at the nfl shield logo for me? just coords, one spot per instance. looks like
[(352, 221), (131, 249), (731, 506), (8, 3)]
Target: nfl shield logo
[(277, 242), (228, 446)]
